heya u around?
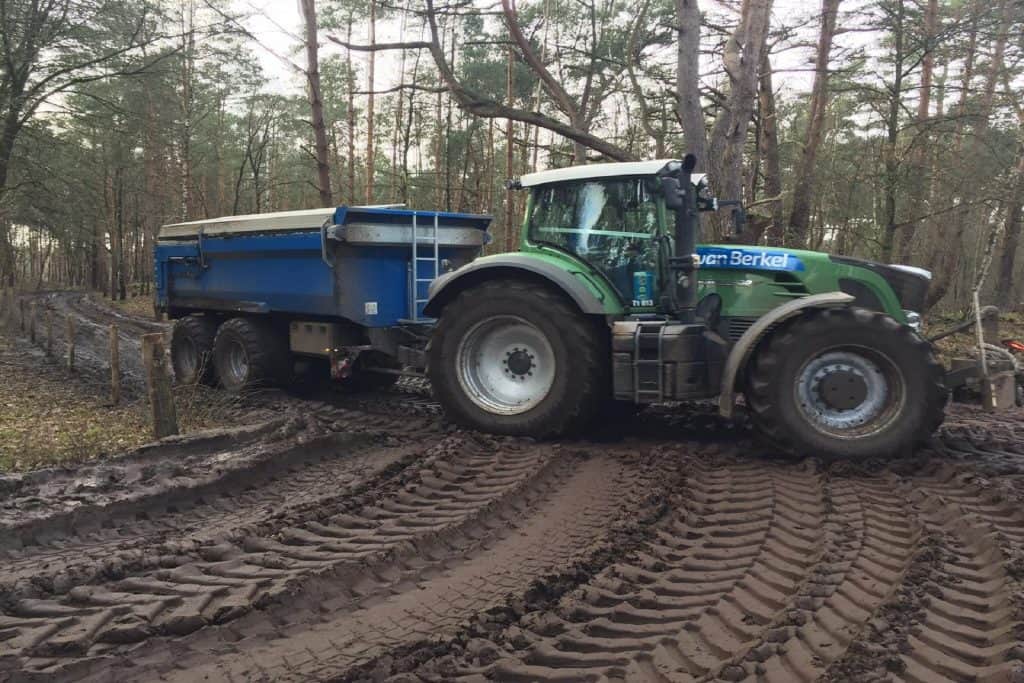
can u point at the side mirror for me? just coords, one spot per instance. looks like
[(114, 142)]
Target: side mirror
[(739, 221)]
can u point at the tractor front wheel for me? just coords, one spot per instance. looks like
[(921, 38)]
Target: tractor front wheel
[(514, 357), (846, 383)]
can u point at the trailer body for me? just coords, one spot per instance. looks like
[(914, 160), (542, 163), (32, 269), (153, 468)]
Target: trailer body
[(337, 282)]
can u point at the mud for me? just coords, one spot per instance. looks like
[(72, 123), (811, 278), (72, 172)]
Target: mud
[(361, 538)]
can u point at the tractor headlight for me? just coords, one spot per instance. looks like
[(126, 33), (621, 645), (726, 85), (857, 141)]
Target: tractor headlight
[(913, 319)]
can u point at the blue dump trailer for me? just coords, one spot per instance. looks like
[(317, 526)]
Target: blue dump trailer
[(258, 299)]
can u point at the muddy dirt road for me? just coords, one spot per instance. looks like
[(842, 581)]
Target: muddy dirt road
[(364, 539)]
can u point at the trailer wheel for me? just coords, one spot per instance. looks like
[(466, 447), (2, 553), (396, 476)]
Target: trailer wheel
[(249, 353), (192, 349), (513, 357), (846, 383)]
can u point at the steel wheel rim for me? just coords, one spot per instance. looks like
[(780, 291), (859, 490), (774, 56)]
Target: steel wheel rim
[(238, 363), (882, 385), (505, 365)]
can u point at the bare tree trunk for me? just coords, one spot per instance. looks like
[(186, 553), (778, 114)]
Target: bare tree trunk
[(921, 152), (891, 178), (743, 52), (350, 196), (946, 259), (371, 166), (806, 174), (1011, 238), (509, 156), (187, 107), (316, 104), (688, 108), (769, 146)]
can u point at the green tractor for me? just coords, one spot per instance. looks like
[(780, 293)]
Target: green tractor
[(610, 299)]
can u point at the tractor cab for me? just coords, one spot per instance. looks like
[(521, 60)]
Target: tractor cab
[(614, 220)]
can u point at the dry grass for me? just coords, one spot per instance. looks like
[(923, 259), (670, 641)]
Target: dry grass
[(139, 306), (50, 417)]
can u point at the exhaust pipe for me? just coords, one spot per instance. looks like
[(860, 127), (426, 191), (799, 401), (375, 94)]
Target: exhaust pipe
[(680, 195)]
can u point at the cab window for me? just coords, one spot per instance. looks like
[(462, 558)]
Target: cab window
[(611, 224)]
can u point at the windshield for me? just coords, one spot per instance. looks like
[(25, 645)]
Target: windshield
[(611, 224)]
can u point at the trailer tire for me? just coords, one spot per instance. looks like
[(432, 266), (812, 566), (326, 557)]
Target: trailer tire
[(192, 349), (250, 353), (496, 334), (845, 383)]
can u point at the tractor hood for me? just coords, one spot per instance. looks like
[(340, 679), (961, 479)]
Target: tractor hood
[(909, 283)]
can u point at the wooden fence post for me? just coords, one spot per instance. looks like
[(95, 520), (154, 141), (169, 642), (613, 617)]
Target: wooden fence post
[(158, 383), (69, 329), (115, 367), (32, 321)]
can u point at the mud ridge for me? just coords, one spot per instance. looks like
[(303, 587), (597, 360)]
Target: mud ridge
[(435, 588), (134, 536), (483, 633), (184, 593)]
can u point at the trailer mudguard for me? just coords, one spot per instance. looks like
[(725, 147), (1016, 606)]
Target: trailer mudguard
[(745, 345), (449, 285)]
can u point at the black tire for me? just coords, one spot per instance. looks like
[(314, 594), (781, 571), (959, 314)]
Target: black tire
[(579, 376), (264, 360), (192, 349), (913, 401)]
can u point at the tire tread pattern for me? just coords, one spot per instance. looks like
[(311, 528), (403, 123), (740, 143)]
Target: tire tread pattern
[(768, 357), (588, 352)]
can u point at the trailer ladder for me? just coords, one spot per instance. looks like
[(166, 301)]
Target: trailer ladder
[(648, 373), (428, 243)]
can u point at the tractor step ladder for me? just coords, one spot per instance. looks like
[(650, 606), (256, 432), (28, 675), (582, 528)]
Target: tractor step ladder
[(648, 376), (428, 243)]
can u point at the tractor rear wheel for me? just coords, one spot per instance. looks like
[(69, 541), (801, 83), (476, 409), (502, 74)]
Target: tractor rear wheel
[(250, 353), (846, 383), (192, 349), (513, 357)]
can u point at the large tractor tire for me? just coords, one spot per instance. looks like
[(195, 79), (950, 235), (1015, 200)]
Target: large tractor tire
[(514, 357), (249, 353), (192, 349), (846, 384)]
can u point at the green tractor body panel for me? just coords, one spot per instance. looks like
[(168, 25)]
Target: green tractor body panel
[(772, 276), (750, 280)]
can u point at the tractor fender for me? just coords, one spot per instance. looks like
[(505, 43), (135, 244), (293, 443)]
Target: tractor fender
[(448, 286), (744, 347)]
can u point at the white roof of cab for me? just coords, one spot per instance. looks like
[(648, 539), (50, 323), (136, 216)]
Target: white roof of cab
[(256, 222), (624, 168)]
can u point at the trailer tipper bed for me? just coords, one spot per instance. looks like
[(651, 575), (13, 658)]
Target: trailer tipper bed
[(345, 286)]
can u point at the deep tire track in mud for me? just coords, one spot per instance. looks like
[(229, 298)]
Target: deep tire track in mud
[(540, 530), (961, 613), (454, 483), (712, 597)]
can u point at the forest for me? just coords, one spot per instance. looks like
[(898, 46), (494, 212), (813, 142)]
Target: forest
[(882, 129)]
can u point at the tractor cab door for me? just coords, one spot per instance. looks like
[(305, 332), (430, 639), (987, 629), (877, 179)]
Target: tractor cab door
[(612, 224)]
